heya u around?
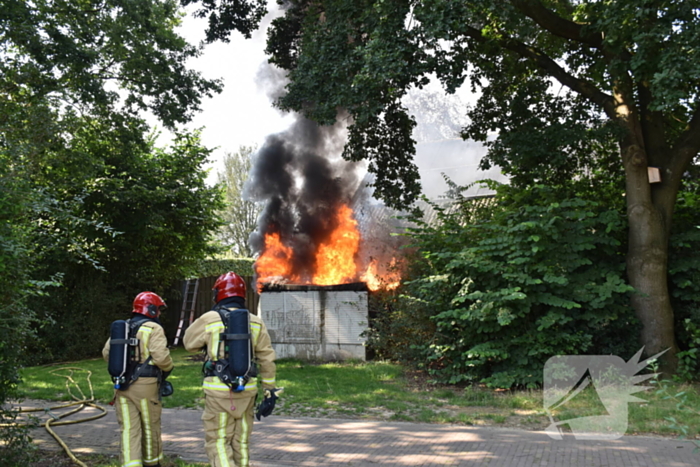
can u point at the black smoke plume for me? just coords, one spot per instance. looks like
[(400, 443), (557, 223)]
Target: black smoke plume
[(300, 177)]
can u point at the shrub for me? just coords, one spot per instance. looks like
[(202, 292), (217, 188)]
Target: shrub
[(216, 267), (684, 278), (397, 328), (531, 277), (16, 290)]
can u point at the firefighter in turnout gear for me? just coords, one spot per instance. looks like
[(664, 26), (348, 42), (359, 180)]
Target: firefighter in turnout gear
[(138, 406), (229, 397)]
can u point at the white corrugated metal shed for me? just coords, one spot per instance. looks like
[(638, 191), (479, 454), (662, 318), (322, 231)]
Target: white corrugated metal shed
[(316, 322)]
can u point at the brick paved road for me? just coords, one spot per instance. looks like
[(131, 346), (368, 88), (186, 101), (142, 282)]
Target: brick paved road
[(281, 441)]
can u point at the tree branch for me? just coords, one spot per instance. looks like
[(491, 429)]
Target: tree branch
[(555, 24), (583, 87), (562, 27)]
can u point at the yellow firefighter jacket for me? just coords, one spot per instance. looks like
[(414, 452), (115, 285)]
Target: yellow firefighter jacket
[(153, 343), (204, 332)]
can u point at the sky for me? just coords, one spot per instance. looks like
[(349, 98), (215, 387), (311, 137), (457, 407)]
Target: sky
[(242, 115)]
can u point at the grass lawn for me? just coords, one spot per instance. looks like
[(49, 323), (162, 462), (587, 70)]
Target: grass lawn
[(377, 390), (53, 382)]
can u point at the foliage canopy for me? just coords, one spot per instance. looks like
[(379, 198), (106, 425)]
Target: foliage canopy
[(91, 211), (569, 87)]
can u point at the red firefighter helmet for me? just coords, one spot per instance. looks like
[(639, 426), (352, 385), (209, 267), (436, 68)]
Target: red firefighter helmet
[(229, 285), (149, 304)]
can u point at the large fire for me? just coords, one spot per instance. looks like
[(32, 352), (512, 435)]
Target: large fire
[(336, 260), (276, 260)]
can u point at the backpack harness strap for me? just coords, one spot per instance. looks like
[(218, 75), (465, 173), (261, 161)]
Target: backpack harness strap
[(234, 337), (221, 367), (146, 370), (131, 341), (138, 370)]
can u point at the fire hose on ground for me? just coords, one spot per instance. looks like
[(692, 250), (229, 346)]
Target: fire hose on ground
[(78, 403)]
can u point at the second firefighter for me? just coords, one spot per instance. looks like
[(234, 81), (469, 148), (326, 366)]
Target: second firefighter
[(230, 393)]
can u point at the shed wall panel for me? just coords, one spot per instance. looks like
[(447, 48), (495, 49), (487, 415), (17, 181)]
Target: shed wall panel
[(316, 324)]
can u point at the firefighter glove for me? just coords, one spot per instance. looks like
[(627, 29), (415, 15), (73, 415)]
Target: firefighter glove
[(268, 404), (166, 389)]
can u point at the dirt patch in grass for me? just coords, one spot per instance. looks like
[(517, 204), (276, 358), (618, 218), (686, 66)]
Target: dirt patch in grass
[(46, 458), (50, 458), (53, 459)]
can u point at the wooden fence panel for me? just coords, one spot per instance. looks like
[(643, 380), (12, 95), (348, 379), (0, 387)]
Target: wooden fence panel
[(203, 303)]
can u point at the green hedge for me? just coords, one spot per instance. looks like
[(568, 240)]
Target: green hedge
[(216, 267)]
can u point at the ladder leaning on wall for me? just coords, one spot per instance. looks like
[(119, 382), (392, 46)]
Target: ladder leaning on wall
[(189, 300)]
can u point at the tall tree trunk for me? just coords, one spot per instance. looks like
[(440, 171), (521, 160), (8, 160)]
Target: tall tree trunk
[(649, 216)]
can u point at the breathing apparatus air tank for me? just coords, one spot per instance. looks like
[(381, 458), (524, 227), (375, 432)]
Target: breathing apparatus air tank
[(119, 353), (237, 345)]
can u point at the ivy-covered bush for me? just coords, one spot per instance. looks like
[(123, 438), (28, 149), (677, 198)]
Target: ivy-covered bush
[(510, 285)]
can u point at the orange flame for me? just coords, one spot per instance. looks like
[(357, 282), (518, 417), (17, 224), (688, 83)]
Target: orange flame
[(335, 260), (376, 281), (276, 260)]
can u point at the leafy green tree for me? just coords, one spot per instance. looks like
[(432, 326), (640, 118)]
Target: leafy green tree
[(144, 218), (225, 16), (77, 51), (239, 215), (74, 79), (159, 203), (72, 68), (570, 87)]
